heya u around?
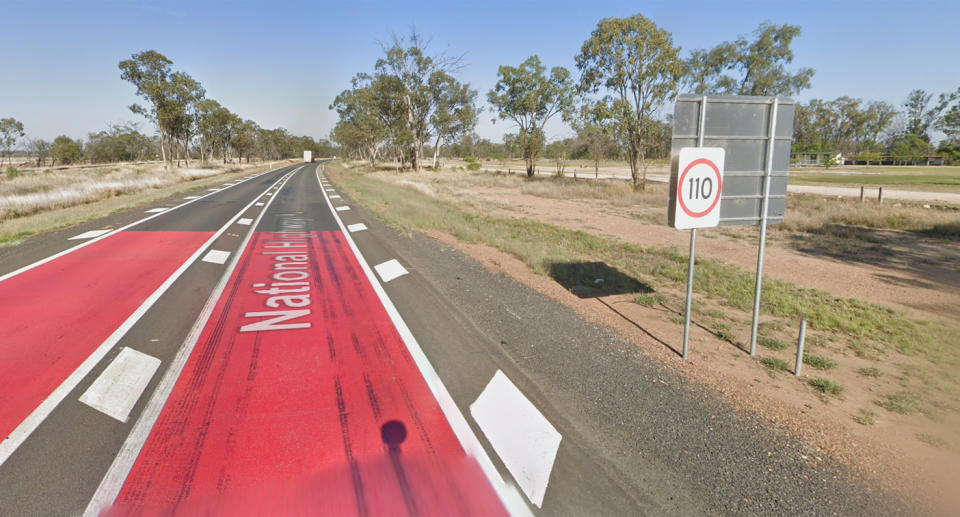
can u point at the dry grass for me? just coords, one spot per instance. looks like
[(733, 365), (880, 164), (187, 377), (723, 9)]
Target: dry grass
[(14, 230), (42, 190), (818, 214)]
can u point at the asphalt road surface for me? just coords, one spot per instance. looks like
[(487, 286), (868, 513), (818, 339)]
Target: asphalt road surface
[(265, 347)]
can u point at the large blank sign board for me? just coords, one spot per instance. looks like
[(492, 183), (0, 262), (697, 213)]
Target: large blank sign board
[(741, 126)]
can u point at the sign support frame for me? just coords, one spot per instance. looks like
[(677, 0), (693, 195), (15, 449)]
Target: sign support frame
[(693, 244), (768, 170)]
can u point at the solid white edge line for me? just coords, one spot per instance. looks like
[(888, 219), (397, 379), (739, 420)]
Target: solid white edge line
[(38, 415), (510, 496), (116, 475), (118, 230)]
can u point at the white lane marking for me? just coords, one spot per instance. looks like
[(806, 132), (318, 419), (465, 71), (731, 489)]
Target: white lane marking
[(216, 256), (389, 270), (343, 208), (525, 440), (35, 418), (55, 256), (118, 388), (331, 190), (157, 210), (192, 197), (335, 196), (215, 189), (268, 194), (259, 204), (89, 235), (508, 493), (116, 476), (244, 221), (357, 227)]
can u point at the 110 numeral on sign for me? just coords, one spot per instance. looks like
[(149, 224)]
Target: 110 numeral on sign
[(698, 183)]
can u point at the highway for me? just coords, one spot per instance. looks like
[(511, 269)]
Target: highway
[(267, 347)]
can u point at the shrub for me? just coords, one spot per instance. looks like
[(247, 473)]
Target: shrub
[(775, 364), (771, 343), (820, 363), (473, 166), (826, 386), (12, 172)]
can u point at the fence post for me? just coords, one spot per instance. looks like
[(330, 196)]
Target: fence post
[(803, 334), (880, 196), (861, 193)]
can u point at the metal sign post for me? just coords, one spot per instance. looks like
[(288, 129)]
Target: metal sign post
[(755, 134), (763, 225)]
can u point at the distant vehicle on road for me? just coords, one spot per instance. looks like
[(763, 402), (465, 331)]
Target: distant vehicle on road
[(308, 157)]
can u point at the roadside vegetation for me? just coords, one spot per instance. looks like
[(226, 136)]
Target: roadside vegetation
[(44, 200), (850, 340)]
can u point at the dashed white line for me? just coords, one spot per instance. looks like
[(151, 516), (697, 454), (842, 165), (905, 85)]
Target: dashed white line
[(523, 438), (356, 227), (216, 256), (157, 210), (118, 388), (244, 221), (343, 208), (258, 204), (89, 235), (389, 270), (192, 197), (335, 196)]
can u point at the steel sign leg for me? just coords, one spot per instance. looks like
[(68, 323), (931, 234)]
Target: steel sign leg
[(764, 208), (686, 312)]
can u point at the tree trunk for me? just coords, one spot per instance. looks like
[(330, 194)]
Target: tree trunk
[(163, 150), (436, 153)]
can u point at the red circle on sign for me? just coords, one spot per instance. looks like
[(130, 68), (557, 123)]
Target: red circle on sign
[(699, 161)]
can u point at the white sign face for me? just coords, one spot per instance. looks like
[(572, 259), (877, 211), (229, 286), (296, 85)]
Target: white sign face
[(698, 187)]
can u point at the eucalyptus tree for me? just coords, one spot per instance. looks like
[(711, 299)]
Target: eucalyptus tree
[(750, 67), (40, 148), (595, 129), (529, 98), (455, 113), (633, 64), (150, 72), (180, 109), (361, 129), (408, 62), (11, 130)]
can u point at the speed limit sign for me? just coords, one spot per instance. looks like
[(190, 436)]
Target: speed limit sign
[(696, 188)]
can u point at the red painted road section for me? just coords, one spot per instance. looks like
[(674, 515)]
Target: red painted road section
[(54, 316), (294, 418)]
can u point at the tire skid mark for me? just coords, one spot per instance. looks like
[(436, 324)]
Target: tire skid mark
[(348, 449)]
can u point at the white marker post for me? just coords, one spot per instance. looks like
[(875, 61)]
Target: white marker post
[(698, 186)]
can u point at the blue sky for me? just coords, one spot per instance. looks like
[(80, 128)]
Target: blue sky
[(282, 63)]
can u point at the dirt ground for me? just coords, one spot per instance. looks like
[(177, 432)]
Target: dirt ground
[(911, 453)]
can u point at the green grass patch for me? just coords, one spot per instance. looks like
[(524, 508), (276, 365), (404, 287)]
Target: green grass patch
[(934, 441), (865, 417), (871, 371), (771, 343), (649, 300), (775, 364), (826, 386), (679, 320), (722, 331), (903, 402), (820, 363)]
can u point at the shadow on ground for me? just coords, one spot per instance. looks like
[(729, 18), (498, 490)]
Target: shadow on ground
[(595, 279)]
